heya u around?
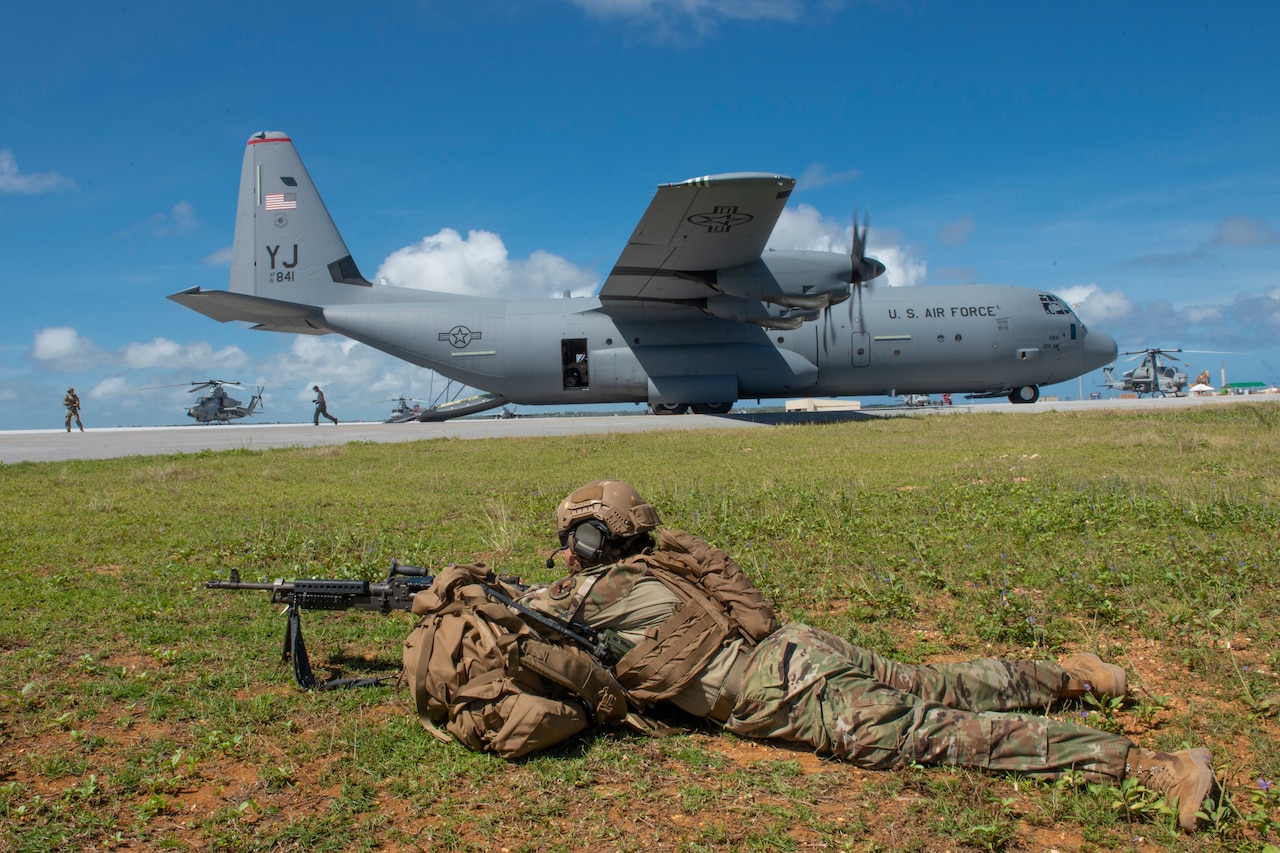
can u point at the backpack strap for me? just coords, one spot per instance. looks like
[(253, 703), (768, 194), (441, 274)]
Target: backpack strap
[(423, 635)]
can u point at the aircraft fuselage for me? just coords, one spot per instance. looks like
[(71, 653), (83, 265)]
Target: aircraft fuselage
[(919, 340)]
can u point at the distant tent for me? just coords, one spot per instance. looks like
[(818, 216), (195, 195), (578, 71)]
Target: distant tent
[(1200, 389)]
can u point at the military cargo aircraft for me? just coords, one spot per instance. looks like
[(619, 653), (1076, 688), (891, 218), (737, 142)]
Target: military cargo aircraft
[(696, 313)]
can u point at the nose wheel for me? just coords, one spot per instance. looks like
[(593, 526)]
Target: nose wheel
[(1025, 394)]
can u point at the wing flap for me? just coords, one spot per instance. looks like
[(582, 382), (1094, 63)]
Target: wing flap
[(693, 228)]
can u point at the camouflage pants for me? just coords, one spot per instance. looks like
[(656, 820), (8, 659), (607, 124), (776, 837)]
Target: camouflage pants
[(805, 685)]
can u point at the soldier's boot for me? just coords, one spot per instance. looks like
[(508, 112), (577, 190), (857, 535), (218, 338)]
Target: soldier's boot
[(1090, 674), (1183, 778)]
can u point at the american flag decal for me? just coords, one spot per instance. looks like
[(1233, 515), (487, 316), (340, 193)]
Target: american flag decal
[(280, 201)]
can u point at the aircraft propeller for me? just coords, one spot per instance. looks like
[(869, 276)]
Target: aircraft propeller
[(861, 270), (864, 268)]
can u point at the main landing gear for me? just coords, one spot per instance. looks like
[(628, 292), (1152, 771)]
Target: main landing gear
[(698, 408), (1025, 394)]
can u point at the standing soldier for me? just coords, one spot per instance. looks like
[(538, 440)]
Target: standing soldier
[(72, 402), (321, 408)]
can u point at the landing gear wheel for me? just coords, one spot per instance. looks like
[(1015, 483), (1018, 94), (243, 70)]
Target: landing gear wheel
[(668, 408), (712, 408), (1025, 394)]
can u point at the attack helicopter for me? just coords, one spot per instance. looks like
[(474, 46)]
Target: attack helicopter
[(1150, 376), (217, 406)]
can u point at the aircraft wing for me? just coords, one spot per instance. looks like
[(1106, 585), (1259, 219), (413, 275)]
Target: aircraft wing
[(694, 228)]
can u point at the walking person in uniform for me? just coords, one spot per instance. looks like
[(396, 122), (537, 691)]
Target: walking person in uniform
[(72, 403), (698, 635), (321, 407)]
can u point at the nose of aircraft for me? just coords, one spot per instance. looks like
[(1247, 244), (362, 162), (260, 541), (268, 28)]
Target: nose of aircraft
[(1099, 350)]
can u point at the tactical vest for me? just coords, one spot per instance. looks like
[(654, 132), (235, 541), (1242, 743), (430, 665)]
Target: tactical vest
[(718, 604)]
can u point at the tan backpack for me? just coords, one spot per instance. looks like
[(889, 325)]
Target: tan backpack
[(494, 683)]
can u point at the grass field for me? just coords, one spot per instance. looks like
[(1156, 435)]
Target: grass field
[(140, 711)]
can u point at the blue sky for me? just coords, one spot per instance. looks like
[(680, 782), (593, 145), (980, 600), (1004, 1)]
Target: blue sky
[(1122, 155)]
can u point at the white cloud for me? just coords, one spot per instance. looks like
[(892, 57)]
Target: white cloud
[(480, 266), (164, 353), (803, 227), (1095, 305), (62, 348), (1249, 324), (816, 176), (902, 268), (1202, 315), (220, 258), (111, 388), (13, 181), (179, 219)]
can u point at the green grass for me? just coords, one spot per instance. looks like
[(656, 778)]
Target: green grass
[(140, 711)]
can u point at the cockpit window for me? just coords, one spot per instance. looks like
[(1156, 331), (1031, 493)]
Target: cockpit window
[(1053, 305)]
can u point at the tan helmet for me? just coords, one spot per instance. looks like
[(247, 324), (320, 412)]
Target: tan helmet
[(612, 502)]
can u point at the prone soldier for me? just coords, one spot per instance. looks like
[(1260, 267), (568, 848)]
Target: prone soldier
[(698, 635)]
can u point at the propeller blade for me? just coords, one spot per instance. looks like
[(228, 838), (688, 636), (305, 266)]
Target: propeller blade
[(864, 268)]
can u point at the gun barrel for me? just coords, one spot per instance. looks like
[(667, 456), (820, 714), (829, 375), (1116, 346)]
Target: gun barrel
[(241, 585)]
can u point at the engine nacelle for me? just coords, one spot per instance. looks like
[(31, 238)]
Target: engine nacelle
[(809, 281), (756, 312)]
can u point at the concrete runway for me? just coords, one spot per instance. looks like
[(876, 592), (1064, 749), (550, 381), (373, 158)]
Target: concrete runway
[(111, 442)]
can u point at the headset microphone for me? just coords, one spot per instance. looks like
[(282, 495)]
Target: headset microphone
[(551, 561)]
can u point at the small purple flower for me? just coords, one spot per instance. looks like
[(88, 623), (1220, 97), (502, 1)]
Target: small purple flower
[(1265, 784)]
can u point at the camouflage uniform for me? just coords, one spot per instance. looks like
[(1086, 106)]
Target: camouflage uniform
[(72, 403), (802, 684)]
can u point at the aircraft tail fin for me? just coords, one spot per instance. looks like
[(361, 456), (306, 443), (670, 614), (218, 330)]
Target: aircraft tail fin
[(286, 245)]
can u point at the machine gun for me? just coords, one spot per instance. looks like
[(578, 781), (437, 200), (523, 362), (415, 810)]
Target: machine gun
[(394, 593)]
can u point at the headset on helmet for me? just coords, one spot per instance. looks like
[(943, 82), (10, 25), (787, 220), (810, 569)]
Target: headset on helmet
[(601, 512)]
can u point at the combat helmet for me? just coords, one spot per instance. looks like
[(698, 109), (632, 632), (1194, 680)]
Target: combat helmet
[(601, 513)]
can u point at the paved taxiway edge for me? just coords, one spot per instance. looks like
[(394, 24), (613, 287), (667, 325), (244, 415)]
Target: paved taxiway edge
[(56, 445)]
